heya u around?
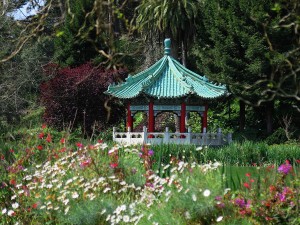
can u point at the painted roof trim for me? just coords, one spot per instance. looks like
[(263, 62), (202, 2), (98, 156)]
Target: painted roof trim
[(167, 78)]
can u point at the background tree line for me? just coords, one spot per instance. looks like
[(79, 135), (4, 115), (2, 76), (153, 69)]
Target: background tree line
[(252, 46)]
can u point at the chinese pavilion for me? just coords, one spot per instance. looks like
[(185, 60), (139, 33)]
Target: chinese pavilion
[(167, 86)]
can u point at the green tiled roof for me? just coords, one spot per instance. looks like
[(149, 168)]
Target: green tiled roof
[(167, 78)]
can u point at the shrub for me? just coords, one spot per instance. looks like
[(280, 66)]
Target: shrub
[(277, 137), (74, 96)]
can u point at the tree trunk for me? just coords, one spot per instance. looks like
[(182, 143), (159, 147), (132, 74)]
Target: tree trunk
[(242, 115), (174, 48), (184, 53), (269, 116)]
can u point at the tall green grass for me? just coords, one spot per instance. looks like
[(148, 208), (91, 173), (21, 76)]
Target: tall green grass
[(247, 153)]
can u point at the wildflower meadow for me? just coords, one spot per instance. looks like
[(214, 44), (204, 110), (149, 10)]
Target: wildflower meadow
[(48, 178)]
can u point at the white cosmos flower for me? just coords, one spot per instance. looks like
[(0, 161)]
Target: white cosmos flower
[(10, 212), (219, 219), (187, 215), (15, 205), (123, 207), (226, 190), (206, 193), (68, 181), (126, 218), (194, 197), (67, 210), (4, 211), (149, 217), (199, 148), (106, 190), (75, 195), (66, 201), (13, 197)]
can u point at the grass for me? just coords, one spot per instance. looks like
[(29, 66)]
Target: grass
[(246, 153)]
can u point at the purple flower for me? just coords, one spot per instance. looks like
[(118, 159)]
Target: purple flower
[(240, 202), (150, 152), (281, 197), (218, 198), (285, 168), (220, 205), (133, 170)]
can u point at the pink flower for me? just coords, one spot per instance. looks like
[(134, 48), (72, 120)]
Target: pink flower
[(49, 139), (79, 145), (85, 163), (246, 185), (41, 135), (113, 165), (218, 198), (285, 168), (63, 149)]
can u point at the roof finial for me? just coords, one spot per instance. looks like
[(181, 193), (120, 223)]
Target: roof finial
[(167, 46)]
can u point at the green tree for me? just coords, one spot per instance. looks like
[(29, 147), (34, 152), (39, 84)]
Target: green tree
[(20, 76), (239, 45), (75, 42), (171, 18)]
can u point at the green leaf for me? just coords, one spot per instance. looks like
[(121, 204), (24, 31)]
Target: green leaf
[(270, 85), (277, 7), (59, 33)]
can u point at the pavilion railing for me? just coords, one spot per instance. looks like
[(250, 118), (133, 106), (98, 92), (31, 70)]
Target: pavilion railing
[(207, 139)]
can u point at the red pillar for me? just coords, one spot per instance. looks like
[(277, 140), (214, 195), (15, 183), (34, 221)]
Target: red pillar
[(182, 117), (129, 118), (151, 119), (204, 119)]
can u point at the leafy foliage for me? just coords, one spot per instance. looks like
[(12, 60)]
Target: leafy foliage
[(171, 18), (75, 41), (21, 76), (243, 46), (74, 96)]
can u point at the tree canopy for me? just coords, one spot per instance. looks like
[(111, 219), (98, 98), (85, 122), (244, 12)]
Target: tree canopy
[(252, 46)]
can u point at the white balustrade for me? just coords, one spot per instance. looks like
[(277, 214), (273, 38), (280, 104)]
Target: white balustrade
[(209, 139)]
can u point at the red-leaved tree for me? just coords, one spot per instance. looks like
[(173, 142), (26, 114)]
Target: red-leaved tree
[(74, 97)]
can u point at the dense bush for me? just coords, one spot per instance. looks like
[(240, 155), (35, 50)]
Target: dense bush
[(74, 96), (277, 137)]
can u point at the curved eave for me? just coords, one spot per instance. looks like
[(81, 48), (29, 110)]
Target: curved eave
[(167, 79), (133, 86), (169, 83)]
